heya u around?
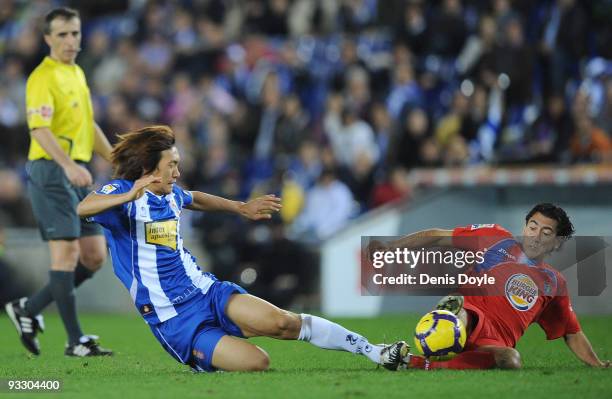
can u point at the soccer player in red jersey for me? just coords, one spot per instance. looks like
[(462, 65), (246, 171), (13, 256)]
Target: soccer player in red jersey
[(526, 291)]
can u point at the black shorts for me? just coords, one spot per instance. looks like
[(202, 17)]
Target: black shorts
[(54, 201)]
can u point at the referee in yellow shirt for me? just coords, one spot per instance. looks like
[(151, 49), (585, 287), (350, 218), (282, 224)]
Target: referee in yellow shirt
[(63, 138)]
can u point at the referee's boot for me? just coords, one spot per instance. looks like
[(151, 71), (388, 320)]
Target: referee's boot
[(452, 303), (87, 346), (26, 325)]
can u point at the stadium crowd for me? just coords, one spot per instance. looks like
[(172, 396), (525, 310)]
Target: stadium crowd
[(327, 103)]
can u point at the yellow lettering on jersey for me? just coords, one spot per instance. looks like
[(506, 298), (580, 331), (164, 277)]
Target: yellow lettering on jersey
[(162, 233)]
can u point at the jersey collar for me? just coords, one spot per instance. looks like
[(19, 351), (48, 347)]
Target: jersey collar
[(56, 64)]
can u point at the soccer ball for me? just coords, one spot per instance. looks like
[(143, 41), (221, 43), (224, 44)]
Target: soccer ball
[(439, 335)]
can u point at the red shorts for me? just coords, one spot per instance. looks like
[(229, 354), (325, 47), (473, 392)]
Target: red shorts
[(484, 333)]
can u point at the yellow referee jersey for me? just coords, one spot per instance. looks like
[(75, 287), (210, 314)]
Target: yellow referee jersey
[(57, 97)]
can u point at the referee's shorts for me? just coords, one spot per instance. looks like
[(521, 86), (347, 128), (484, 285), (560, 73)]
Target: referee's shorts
[(54, 201)]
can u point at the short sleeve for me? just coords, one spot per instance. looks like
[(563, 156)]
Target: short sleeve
[(183, 197), (114, 215), (39, 101), (476, 237), (558, 318)]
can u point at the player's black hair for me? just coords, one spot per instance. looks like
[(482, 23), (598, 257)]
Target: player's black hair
[(61, 12), (565, 228), (138, 153)]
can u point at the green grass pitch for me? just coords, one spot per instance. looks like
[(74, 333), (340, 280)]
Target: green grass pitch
[(141, 369)]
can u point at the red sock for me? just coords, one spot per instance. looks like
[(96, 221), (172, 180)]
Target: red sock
[(463, 361)]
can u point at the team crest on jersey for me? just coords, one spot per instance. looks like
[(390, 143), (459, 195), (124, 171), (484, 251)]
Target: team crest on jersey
[(162, 233), (146, 309), (521, 292), (481, 226), (109, 188)]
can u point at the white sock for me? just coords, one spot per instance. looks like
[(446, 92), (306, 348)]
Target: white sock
[(328, 335)]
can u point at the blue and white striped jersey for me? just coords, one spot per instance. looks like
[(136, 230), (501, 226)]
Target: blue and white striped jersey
[(147, 251)]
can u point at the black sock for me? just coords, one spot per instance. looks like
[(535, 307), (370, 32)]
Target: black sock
[(62, 290), (37, 302), (81, 273)]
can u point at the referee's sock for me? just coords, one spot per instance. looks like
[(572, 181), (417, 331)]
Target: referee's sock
[(329, 335), (37, 302), (62, 289)]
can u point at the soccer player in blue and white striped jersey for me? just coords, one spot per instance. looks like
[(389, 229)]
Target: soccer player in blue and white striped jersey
[(198, 319)]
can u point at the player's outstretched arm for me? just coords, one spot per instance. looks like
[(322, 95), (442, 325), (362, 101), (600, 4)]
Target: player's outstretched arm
[(580, 345), (256, 209), (421, 239), (424, 239), (97, 203)]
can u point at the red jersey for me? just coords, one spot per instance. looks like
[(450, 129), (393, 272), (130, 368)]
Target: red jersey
[(524, 292)]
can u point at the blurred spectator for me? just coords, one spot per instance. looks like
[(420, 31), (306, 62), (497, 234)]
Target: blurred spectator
[(306, 168), (383, 129), (564, 41), (456, 152), (291, 128), (315, 17), (349, 61), (268, 17), (447, 31), (155, 55), (414, 129), (412, 28), (97, 48), (405, 91), (355, 15), (456, 122), (109, 72), (328, 207), (349, 136), (12, 85), (431, 153), (184, 36), (478, 45), (360, 178), (548, 139), (14, 211), (270, 113), (514, 58), (590, 143), (357, 90), (604, 116), (396, 186)]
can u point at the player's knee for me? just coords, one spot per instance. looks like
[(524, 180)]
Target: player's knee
[(509, 359), (259, 361), (65, 259), (93, 260)]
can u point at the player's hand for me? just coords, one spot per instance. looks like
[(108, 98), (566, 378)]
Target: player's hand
[(77, 175), (261, 207), (606, 364), (141, 185)]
